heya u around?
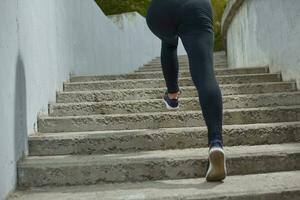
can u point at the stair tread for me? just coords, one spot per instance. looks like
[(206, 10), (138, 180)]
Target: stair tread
[(155, 155), (227, 69), (176, 112), (54, 168), (296, 92), (180, 70), (180, 78), (163, 88), (120, 133), (245, 187)]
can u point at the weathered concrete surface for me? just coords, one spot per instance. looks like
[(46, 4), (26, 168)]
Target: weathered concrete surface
[(184, 58), (218, 71), (218, 56), (183, 81), (186, 103), (157, 67), (156, 93), (157, 73), (183, 62), (153, 165), (220, 63), (269, 186), (167, 119), (266, 32), (121, 141), (230, 11), (12, 142), (41, 44)]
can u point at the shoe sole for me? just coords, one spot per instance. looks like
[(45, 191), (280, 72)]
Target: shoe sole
[(217, 167), (169, 107)]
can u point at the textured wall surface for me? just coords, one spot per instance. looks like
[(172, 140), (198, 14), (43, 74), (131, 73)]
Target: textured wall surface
[(266, 32), (8, 97), (42, 42)]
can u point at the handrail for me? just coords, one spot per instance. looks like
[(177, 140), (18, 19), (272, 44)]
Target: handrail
[(230, 11)]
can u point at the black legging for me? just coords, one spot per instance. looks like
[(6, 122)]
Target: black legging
[(192, 21)]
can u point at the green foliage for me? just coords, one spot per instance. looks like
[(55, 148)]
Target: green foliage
[(218, 6), (111, 7)]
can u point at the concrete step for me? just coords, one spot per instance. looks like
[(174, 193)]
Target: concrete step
[(185, 57), (153, 165), (218, 63), (167, 119), (215, 55), (158, 105), (266, 186), (88, 92), (158, 74), (121, 141), (157, 68), (181, 62), (220, 71), (183, 81)]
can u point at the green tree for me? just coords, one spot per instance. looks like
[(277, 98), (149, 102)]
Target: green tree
[(110, 7), (218, 6)]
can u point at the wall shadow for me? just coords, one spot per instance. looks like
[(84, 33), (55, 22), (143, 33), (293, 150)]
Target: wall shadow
[(20, 112)]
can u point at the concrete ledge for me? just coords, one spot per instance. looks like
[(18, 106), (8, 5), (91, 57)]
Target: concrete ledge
[(263, 33), (230, 11)]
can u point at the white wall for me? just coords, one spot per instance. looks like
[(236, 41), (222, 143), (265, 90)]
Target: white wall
[(9, 130), (42, 42), (266, 32)]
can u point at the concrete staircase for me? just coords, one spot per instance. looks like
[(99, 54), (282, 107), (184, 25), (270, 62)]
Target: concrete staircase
[(111, 137)]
